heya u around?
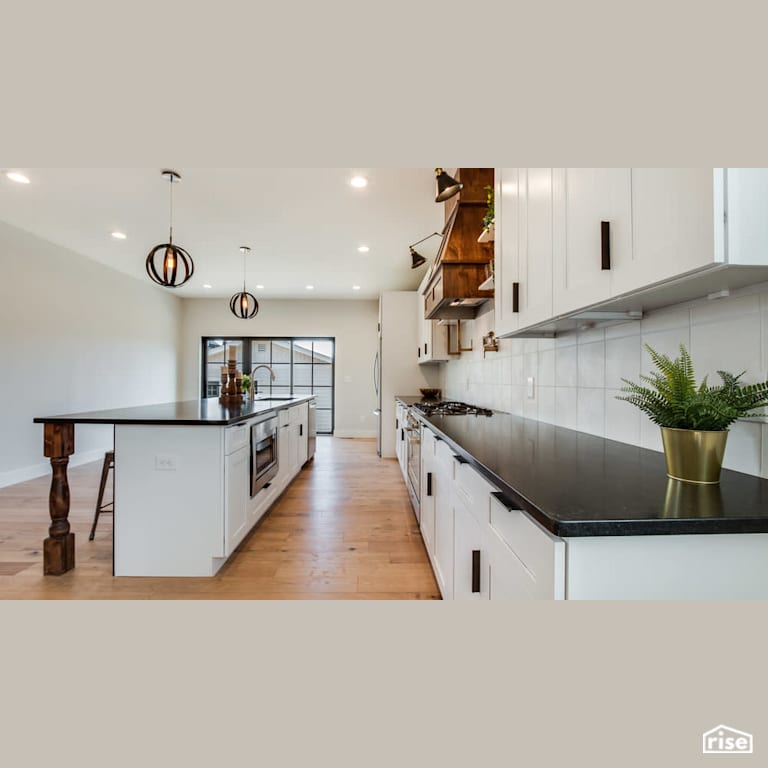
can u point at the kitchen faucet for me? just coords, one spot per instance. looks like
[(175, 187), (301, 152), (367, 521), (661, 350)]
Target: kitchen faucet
[(254, 384)]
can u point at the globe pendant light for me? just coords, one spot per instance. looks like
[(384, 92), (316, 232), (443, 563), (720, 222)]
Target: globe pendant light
[(177, 265), (447, 186), (243, 304)]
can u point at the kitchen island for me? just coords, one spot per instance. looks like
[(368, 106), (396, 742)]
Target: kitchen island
[(183, 485), (559, 513)]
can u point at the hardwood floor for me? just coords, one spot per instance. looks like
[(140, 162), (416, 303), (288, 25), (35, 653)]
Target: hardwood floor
[(344, 529)]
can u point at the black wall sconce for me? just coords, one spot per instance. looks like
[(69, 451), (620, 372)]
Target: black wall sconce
[(447, 186), (416, 258)]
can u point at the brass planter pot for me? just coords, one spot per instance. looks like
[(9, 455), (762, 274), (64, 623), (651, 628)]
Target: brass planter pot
[(694, 456)]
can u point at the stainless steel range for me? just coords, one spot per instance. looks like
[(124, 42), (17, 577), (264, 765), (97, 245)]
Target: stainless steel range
[(413, 443)]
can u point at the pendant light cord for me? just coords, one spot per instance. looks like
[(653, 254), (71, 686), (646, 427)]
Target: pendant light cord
[(170, 177)]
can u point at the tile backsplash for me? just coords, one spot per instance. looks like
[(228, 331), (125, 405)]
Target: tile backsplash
[(577, 376)]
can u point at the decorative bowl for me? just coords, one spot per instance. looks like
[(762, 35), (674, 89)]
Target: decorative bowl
[(430, 393)]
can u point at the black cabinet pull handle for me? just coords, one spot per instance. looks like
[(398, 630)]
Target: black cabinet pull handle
[(505, 502), (301, 430), (515, 297), (475, 570), (418, 351), (429, 483), (402, 434), (605, 244)]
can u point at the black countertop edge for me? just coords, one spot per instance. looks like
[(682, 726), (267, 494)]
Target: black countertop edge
[(206, 412), (594, 527)]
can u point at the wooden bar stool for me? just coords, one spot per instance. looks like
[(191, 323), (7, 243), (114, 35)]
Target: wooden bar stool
[(109, 463)]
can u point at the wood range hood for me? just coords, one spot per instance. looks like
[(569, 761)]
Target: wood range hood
[(452, 290)]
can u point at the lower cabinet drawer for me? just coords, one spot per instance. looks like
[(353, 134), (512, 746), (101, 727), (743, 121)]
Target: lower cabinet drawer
[(474, 488), (427, 442), (235, 438), (444, 457), (538, 553)]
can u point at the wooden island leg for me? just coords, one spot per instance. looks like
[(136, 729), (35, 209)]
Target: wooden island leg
[(59, 547)]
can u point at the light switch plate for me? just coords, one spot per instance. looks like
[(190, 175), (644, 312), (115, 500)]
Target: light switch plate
[(165, 462), (530, 391)]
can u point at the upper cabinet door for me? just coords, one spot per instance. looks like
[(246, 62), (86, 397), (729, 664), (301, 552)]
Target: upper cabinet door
[(584, 198), (746, 191), (507, 239), (536, 253), (672, 226)]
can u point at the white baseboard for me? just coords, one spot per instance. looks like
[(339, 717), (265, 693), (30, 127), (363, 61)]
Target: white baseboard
[(23, 474), (355, 433)]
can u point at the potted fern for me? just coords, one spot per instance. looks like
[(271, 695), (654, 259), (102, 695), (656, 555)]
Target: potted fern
[(694, 420)]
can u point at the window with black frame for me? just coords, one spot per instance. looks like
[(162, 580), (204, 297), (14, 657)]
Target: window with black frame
[(301, 366)]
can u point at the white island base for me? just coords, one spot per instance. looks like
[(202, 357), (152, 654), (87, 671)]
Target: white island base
[(182, 493)]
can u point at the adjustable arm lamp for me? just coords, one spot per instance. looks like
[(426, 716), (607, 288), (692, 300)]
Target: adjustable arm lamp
[(416, 258)]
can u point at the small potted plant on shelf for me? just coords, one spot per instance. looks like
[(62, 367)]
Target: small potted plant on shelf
[(694, 420), (487, 234)]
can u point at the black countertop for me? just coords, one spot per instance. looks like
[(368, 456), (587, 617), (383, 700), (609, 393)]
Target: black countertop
[(186, 413), (576, 484)]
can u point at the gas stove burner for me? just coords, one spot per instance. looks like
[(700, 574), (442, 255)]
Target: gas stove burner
[(451, 408)]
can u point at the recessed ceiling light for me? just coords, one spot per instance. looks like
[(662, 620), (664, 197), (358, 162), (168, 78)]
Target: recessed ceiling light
[(355, 287), (310, 287), (207, 285), (259, 287), (119, 235), (358, 181), (363, 248), (22, 179)]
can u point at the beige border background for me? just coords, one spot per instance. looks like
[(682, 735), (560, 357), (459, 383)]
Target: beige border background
[(372, 84)]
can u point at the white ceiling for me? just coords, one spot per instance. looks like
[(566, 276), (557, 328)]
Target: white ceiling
[(303, 225)]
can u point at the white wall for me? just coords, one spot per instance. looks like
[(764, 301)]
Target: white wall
[(353, 323), (74, 336), (577, 376)]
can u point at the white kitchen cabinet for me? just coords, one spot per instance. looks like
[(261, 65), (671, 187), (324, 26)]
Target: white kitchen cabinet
[(526, 561), (440, 487), (299, 426), (524, 248), (507, 193), (746, 192), (433, 338), (536, 251), (584, 198), (672, 227), (673, 235), (285, 455), (470, 555), (236, 484), (426, 492), (442, 490)]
